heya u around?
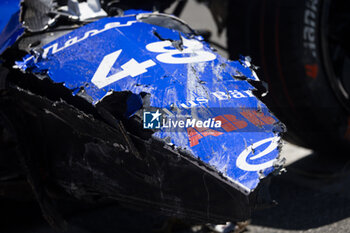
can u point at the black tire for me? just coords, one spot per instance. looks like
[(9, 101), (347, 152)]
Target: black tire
[(286, 39)]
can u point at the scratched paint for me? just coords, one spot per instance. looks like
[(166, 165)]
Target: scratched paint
[(195, 76)]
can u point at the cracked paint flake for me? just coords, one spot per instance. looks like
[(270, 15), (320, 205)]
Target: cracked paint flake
[(209, 86)]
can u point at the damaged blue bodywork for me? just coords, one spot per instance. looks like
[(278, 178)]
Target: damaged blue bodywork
[(185, 80)]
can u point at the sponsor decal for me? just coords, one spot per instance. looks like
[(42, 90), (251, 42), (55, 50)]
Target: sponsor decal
[(311, 70), (229, 123), (309, 30), (249, 155)]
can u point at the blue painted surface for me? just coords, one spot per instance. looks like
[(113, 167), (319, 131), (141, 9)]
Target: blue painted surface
[(208, 87), (7, 9), (10, 27)]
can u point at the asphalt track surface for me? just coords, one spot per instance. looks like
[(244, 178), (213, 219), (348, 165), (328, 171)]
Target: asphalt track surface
[(313, 196)]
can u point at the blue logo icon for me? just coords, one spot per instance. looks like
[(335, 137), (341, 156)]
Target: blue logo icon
[(151, 120)]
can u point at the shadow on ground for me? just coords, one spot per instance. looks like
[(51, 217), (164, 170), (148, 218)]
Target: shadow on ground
[(313, 193)]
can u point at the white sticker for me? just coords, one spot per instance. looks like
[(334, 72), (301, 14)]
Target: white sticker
[(193, 51), (242, 158), (131, 68)]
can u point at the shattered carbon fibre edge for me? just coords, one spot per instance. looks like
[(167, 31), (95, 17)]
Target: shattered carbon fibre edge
[(212, 87), (62, 61)]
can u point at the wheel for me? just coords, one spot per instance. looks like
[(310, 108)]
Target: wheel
[(303, 53)]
